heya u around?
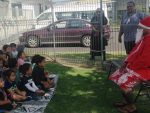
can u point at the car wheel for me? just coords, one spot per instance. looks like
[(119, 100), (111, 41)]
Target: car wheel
[(33, 41), (86, 40)]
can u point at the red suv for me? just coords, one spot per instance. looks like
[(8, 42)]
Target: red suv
[(63, 31)]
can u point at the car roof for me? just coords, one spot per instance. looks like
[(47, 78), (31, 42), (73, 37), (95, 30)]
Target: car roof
[(72, 19)]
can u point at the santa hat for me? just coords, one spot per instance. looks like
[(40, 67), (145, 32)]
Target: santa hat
[(145, 23)]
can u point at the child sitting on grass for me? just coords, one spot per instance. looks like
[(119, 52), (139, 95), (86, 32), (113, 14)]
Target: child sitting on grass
[(13, 65), (34, 60), (27, 83), (11, 87), (5, 103), (21, 58), (40, 77)]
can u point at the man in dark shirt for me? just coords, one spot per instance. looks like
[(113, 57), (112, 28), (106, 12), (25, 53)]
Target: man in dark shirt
[(129, 25)]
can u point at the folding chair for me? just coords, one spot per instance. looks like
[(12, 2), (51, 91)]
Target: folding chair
[(114, 64), (144, 86)]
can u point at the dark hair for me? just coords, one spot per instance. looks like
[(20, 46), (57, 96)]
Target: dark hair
[(131, 2), (13, 45), (1, 77), (19, 54), (38, 59), (20, 48), (24, 68), (35, 59), (5, 47), (12, 62), (7, 73), (1, 52)]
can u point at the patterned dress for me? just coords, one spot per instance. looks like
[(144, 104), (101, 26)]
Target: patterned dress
[(137, 67)]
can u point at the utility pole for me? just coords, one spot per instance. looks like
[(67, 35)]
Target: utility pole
[(101, 33)]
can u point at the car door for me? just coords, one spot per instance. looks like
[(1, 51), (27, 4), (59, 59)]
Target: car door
[(74, 31), (60, 31)]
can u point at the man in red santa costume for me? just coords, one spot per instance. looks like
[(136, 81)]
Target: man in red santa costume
[(136, 67)]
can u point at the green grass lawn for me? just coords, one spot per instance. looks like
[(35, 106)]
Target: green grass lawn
[(84, 90)]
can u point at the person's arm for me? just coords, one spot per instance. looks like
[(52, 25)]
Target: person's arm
[(120, 34), (105, 21), (18, 91), (93, 23), (4, 102), (120, 31), (32, 88)]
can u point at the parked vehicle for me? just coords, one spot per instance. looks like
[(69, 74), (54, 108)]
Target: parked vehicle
[(63, 31), (65, 11)]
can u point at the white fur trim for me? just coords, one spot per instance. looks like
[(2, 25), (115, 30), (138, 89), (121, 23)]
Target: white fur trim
[(143, 26)]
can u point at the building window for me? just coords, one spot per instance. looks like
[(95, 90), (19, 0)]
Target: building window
[(16, 9)]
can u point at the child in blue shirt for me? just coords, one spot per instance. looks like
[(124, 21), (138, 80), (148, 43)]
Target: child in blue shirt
[(11, 87)]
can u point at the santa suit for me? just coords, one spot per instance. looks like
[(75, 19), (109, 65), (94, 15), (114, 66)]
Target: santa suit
[(137, 68)]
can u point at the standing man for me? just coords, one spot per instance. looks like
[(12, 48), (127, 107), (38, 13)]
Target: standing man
[(129, 25), (95, 48)]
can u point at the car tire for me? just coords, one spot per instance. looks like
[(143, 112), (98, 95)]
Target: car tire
[(33, 41), (86, 40)]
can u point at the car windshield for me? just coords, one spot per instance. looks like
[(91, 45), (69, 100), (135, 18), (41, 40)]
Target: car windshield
[(45, 16)]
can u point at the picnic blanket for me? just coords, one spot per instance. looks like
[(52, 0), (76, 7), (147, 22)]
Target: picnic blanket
[(40, 105)]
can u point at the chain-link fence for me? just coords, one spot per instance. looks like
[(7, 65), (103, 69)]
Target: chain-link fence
[(62, 29)]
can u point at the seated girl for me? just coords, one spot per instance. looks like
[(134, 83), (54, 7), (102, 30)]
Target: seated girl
[(21, 58), (40, 77), (5, 103), (11, 87), (27, 83), (34, 60)]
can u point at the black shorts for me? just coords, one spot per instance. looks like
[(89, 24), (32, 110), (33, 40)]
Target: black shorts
[(129, 46)]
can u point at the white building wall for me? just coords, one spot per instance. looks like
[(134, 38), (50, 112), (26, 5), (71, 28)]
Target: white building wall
[(5, 9)]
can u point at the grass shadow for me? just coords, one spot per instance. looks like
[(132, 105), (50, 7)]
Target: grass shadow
[(82, 91)]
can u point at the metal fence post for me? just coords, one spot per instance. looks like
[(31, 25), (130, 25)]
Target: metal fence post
[(101, 31), (52, 10)]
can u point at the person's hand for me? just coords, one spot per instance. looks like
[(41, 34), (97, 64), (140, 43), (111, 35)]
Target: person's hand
[(5, 68), (46, 85), (46, 74), (119, 39), (40, 92), (23, 93)]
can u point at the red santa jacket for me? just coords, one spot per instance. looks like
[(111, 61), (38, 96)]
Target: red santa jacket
[(139, 58)]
